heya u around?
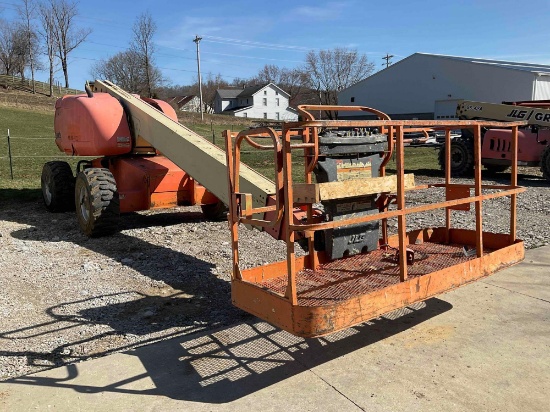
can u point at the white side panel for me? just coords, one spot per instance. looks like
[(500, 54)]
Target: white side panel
[(445, 109), (542, 88)]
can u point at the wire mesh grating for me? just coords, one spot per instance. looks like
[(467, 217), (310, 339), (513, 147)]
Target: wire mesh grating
[(361, 274)]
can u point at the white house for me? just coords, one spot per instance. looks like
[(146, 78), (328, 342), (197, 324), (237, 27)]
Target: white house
[(267, 101), (189, 103), (428, 86)]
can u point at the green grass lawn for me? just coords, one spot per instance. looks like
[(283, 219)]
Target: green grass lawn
[(32, 144)]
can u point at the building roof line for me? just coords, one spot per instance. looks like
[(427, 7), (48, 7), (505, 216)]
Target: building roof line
[(539, 69)]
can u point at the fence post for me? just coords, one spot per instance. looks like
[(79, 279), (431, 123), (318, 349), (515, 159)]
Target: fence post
[(9, 155)]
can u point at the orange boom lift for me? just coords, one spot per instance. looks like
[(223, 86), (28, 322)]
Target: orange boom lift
[(354, 269)]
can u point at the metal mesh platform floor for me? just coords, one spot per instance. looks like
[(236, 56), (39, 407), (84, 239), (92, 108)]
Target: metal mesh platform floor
[(361, 274)]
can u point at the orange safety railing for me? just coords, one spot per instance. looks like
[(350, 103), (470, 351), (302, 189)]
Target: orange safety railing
[(252, 282)]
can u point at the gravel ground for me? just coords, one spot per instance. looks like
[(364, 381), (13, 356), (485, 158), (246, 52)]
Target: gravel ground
[(66, 298)]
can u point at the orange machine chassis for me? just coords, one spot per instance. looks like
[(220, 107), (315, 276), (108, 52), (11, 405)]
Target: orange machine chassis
[(153, 182), (311, 296)]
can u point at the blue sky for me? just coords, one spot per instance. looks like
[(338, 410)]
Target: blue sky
[(240, 37)]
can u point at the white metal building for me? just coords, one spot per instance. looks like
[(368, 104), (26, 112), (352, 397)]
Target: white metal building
[(428, 86)]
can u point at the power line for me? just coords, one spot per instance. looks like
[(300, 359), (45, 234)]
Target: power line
[(163, 68), (253, 57), (251, 43)]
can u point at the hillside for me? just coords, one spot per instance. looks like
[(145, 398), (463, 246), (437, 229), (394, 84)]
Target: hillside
[(29, 119), (27, 101), (23, 99)]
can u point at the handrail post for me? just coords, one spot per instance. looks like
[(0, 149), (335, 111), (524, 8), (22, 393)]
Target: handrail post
[(447, 183), (288, 218), (401, 219), (514, 182), (478, 203)]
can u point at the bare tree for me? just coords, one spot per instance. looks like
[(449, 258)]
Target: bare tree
[(27, 13), (142, 44), (330, 71), (291, 81), (46, 31), (210, 85), (12, 47), (67, 36), (125, 70)]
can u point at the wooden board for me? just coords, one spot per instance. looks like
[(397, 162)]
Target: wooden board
[(315, 192)]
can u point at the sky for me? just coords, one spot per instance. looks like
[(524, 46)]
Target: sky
[(240, 37)]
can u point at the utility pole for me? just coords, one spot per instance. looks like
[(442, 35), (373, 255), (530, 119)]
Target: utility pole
[(197, 40), (387, 57)]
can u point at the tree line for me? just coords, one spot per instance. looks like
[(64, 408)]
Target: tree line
[(317, 81), (45, 33), (44, 30)]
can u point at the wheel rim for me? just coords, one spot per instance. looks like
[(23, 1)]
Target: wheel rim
[(457, 157), (83, 204), (46, 190)]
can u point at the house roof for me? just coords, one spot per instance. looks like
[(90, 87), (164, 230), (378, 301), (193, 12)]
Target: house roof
[(252, 90), (181, 101), (239, 108), (246, 92), (229, 93)]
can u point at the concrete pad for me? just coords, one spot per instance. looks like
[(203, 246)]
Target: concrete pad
[(533, 278), (485, 346)]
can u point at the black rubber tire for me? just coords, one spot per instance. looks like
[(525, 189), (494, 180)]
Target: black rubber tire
[(462, 157), (57, 182), (496, 168), (545, 163), (97, 202), (215, 211)]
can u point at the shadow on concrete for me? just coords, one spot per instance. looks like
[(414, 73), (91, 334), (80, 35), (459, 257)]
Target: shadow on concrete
[(234, 361), (182, 356)]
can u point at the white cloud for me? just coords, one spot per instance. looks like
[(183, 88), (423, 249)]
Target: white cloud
[(322, 12), (183, 33)]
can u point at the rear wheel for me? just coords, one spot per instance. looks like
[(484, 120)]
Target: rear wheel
[(57, 182), (545, 163), (215, 211), (462, 157), (97, 202)]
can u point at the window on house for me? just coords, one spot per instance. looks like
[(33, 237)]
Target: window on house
[(277, 93), (278, 117), (265, 115), (265, 101), (246, 101), (353, 99), (277, 101), (245, 114), (265, 92)]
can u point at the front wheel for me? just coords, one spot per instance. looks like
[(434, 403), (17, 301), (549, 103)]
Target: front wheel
[(97, 202)]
